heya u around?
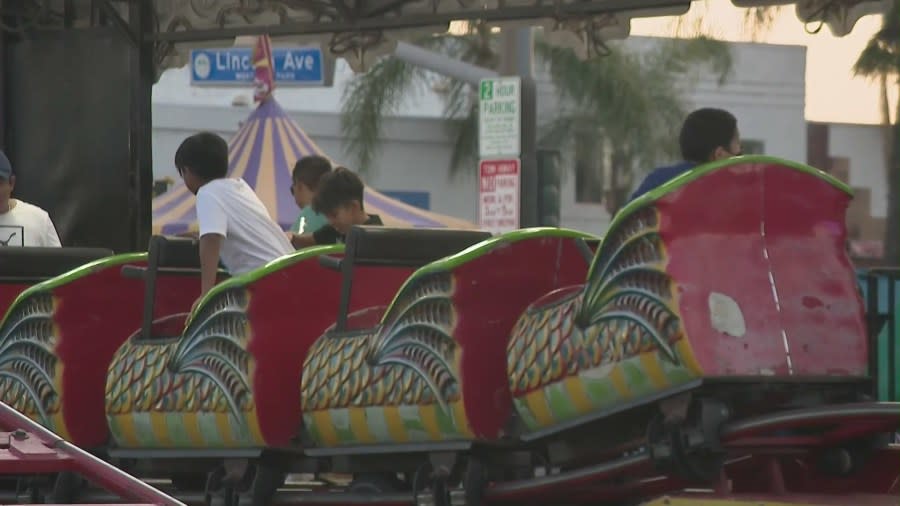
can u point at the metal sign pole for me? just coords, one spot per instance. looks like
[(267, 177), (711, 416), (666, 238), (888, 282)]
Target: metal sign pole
[(517, 58)]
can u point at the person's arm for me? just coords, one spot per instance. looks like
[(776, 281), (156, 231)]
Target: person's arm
[(210, 246), (325, 235), (300, 241)]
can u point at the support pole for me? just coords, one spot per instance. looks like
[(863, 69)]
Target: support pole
[(140, 167), (4, 72), (517, 58)]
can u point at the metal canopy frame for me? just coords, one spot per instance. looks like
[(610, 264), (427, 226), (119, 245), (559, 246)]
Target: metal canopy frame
[(537, 10), (360, 30)]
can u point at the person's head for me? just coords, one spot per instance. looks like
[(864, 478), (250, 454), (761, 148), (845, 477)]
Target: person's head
[(305, 178), (708, 135), (340, 199), (201, 158), (7, 181)]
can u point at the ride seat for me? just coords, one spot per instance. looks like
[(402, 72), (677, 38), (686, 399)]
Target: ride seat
[(32, 265), (168, 256), (394, 247)]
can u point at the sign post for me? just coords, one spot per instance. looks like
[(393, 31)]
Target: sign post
[(498, 195), (499, 145), (294, 66)]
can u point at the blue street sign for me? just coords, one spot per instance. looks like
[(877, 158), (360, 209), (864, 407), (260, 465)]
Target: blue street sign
[(296, 66)]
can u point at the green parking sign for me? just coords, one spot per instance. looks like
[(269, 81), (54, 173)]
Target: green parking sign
[(487, 90), (500, 116)]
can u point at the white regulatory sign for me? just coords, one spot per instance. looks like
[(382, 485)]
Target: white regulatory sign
[(500, 117)]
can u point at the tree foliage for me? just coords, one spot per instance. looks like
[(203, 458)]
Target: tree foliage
[(881, 60), (633, 100)]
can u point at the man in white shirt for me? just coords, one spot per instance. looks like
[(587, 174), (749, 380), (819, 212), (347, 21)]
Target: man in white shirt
[(234, 224), (21, 223)]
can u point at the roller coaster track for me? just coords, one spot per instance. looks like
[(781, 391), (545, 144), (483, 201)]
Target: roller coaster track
[(30, 448)]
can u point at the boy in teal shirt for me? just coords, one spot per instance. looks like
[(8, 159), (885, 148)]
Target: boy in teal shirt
[(305, 179)]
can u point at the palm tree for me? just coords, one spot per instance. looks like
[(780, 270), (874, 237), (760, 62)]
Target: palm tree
[(631, 100), (379, 92), (881, 60)]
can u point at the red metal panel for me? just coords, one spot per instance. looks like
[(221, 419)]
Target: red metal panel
[(817, 290), (711, 229), (491, 292), (94, 315), (8, 293), (288, 311)]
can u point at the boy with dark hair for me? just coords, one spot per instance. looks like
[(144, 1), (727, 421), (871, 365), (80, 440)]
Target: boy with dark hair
[(340, 199), (304, 181), (707, 135), (234, 224)]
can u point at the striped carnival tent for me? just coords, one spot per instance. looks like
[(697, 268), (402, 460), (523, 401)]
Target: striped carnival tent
[(263, 152)]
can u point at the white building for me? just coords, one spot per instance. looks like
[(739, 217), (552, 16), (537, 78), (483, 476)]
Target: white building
[(856, 154), (765, 92)]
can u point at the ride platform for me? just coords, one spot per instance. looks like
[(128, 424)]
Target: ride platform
[(26, 448)]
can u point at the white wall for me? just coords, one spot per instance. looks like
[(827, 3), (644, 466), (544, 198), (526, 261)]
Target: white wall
[(863, 146), (765, 92)]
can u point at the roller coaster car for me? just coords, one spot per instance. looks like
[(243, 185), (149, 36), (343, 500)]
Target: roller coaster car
[(59, 335), (722, 301), (226, 383), (23, 267)]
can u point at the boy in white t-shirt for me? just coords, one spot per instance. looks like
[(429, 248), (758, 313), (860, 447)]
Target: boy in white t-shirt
[(21, 223), (234, 224)]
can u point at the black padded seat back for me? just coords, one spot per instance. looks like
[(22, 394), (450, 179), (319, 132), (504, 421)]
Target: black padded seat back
[(407, 247), (31, 264), (165, 255), (174, 252)]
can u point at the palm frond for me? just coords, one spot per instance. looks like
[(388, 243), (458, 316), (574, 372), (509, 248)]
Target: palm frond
[(378, 93), (758, 20), (368, 99), (881, 56), (461, 114), (877, 59), (682, 57), (465, 143)]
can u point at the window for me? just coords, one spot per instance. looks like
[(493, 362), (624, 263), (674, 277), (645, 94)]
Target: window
[(753, 147), (589, 171)]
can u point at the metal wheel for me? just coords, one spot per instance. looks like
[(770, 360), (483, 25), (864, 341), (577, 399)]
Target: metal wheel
[(690, 448)]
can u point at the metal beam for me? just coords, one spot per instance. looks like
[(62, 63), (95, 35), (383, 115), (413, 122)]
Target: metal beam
[(140, 169), (4, 76), (419, 20), (117, 20), (436, 62)]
